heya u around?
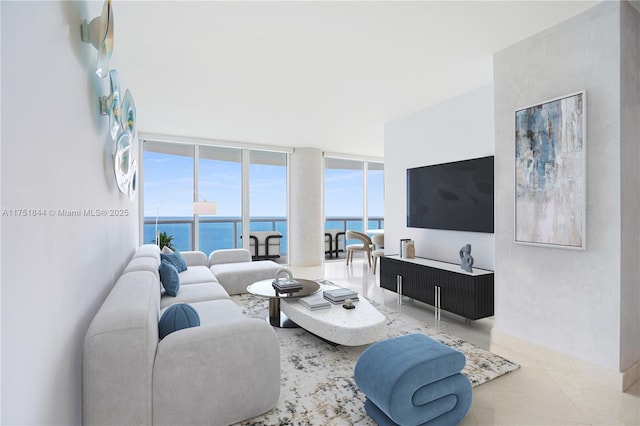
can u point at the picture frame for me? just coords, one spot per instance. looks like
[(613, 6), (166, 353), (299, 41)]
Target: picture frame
[(550, 173)]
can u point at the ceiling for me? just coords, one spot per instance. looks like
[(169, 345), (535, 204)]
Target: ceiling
[(321, 74)]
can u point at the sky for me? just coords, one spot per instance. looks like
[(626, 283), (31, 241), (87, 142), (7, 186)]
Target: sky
[(168, 182)]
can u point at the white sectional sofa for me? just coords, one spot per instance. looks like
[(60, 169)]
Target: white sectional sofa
[(233, 271), (223, 371)]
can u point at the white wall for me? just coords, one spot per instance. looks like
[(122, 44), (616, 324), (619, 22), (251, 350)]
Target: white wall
[(0, 220), (568, 300), (55, 154), (630, 153), (457, 129)]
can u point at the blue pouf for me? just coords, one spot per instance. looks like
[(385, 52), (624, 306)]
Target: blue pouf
[(177, 317), (413, 380)]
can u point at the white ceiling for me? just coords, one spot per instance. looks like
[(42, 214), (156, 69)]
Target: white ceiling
[(320, 74)]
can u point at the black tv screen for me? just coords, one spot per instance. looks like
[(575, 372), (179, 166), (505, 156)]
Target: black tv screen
[(455, 196)]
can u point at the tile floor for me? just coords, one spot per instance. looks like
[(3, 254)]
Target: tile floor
[(549, 389)]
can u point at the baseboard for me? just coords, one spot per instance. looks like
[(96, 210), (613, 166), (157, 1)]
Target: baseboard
[(616, 380), (630, 376)]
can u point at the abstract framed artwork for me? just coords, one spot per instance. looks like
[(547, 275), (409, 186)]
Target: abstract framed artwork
[(550, 173)]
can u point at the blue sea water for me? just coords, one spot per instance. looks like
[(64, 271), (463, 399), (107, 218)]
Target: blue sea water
[(213, 235), (221, 234)]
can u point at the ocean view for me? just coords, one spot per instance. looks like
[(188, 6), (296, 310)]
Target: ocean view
[(225, 232)]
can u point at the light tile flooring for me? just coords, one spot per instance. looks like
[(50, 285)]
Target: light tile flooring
[(549, 388)]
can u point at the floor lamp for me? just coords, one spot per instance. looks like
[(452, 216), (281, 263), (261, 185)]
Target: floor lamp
[(199, 208)]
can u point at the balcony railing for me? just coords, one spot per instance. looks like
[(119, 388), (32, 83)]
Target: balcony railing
[(225, 232)]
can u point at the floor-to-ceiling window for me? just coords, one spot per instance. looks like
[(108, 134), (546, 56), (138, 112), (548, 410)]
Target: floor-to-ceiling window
[(343, 194), (353, 196), (268, 193), (168, 194), (248, 186), (375, 195), (220, 180)]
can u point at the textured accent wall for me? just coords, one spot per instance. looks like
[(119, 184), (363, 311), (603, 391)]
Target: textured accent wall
[(57, 268), (306, 214), (569, 300)]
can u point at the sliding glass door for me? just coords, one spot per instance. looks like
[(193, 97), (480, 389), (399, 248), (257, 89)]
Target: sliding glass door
[(353, 198), (375, 195), (343, 194), (268, 193), (168, 194), (220, 180), (245, 184)]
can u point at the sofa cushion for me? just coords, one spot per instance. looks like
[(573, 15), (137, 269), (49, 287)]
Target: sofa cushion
[(143, 263), (169, 278), (218, 311), (235, 277), (148, 250), (195, 293), (175, 258), (229, 256), (177, 317), (193, 258), (214, 311), (197, 274)]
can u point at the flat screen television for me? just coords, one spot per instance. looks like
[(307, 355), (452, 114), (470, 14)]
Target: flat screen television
[(455, 196)]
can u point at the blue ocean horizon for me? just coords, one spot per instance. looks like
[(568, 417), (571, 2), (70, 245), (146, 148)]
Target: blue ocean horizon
[(220, 234)]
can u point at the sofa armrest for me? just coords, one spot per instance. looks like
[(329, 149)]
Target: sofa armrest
[(194, 258), (229, 256), (228, 372)]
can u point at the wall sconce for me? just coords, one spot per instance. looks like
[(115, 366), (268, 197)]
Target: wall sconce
[(128, 113), (122, 121), (99, 32), (122, 125), (110, 105), (133, 181), (122, 162)]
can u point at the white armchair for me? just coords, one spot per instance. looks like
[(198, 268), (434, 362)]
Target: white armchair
[(365, 245), (378, 249)]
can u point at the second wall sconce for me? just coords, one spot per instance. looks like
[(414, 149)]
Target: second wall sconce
[(99, 32)]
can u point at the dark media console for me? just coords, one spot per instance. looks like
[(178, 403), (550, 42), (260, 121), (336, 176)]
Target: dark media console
[(440, 284)]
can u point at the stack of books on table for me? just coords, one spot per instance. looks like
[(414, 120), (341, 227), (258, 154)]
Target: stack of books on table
[(339, 295), (314, 302), (287, 286)]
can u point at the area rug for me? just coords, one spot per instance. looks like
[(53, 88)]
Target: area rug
[(317, 385)]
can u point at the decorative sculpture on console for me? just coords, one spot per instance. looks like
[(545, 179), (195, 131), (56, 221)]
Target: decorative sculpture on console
[(466, 260)]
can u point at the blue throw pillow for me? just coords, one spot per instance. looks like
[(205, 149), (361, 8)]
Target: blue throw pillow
[(176, 259), (169, 278), (177, 317)]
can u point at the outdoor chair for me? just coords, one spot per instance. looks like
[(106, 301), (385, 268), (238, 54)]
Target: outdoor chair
[(333, 243), (264, 244)]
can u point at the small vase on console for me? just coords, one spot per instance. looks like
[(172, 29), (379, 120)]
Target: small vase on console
[(466, 260), (410, 252)]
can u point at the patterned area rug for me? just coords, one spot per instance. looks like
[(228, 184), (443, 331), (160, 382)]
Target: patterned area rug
[(317, 378)]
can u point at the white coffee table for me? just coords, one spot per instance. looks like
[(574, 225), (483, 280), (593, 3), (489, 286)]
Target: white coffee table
[(349, 327), (265, 288)]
